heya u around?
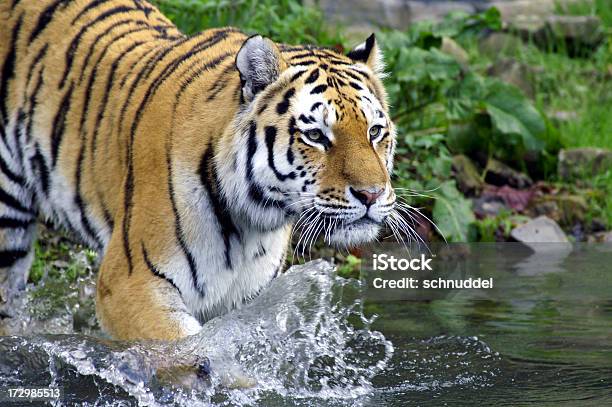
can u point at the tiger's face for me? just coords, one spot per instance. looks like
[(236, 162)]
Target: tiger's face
[(321, 141)]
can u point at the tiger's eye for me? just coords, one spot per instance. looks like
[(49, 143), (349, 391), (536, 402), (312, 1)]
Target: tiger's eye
[(314, 135), (374, 132)]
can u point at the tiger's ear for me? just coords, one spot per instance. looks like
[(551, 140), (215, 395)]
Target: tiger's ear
[(259, 63), (368, 53)]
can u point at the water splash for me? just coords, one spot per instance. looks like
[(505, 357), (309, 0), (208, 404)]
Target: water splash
[(304, 337)]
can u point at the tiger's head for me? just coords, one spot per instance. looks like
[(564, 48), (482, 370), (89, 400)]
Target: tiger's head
[(314, 140)]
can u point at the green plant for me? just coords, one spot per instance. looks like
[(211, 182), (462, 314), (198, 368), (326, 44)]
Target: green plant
[(496, 228), (287, 21), (56, 257), (350, 267), (442, 108)]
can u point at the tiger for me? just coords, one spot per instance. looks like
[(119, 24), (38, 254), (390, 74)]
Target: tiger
[(186, 162)]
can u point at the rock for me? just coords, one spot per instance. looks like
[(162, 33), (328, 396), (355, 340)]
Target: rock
[(498, 43), (488, 206), (388, 13), (467, 175), (515, 199), (515, 73), (428, 10), (565, 209), (539, 230), (602, 237), (563, 115), (584, 30), (452, 48), (500, 174), (511, 11), (576, 163), (577, 34)]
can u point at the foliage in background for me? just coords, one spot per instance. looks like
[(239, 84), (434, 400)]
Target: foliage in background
[(287, 21), (443, 108)]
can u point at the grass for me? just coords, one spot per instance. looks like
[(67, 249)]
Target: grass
[(600, 8)]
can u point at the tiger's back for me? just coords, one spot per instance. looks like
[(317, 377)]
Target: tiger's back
[(74, 79)]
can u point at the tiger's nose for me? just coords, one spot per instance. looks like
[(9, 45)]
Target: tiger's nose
[(365, 196)]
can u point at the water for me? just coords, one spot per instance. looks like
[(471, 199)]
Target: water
[(542, 336)]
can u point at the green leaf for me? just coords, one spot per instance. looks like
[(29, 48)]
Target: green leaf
[(512, 114), (452, 213)]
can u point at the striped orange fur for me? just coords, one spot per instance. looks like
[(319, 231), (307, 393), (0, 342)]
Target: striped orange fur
[(185, 161)]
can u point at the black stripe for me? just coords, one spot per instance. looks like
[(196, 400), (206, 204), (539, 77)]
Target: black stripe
[(21, 116), (278, 270), (91, 5), (85, 64), (208, 178), (261, 251), (354, 76), (33, 103), (41, 54), (18, 179), (256, 192), (305, 119), (315, 105), (12, 202), (292, 130), (70, 53), (108, 218), (221, 82), (44, 19), (270, 132), (318, 89), (297, 75), (356, 85), (10, 257), (133, 65), (3, 134), (38, 162), (305, 63), (155, 270), (313, 76), (195, 74), (127, 215), (12, 223), (178, 228), (78, 199), (339, 62), (107, 90), (8, 71), (308, 54), (295, 48), (59, 125), (283, 106)]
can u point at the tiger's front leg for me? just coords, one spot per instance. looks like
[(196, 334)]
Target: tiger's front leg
[(140, 304), (145, 305)]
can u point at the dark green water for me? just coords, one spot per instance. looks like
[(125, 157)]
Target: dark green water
[(541, 336)]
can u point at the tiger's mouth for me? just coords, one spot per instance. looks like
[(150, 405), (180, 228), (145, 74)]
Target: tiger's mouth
[(359, 231)]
